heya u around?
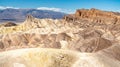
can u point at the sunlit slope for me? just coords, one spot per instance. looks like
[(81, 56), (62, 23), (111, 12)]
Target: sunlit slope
[(36, 57), (31, 23)]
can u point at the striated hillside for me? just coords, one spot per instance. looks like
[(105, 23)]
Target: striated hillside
[(88, 38)]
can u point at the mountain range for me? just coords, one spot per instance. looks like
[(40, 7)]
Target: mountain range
[(18, 15)]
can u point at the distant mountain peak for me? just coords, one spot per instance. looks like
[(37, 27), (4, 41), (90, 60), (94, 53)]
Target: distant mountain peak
[(19, 15)]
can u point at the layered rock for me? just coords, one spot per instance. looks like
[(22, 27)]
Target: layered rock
[(94, 15)]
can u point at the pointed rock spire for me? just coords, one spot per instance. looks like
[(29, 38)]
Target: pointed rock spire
[(29, 18)]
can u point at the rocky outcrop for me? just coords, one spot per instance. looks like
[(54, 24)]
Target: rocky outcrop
[(94, 15), (8, 24)]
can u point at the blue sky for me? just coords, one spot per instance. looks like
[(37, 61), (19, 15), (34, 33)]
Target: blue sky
[(68, 6)]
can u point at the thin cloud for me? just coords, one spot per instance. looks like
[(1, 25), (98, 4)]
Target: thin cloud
[(6, 7), (52, 9), (42, 8), (69, 11), (56, 9)]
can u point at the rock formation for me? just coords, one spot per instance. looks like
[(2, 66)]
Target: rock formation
[(94, 15), (8, 24), (91, 33)]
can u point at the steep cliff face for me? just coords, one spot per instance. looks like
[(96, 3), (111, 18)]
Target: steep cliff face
[(94, 15)]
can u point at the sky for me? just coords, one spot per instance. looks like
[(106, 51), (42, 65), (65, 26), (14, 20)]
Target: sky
[(67, 6)]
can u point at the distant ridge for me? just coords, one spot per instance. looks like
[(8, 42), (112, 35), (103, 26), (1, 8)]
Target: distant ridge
[(19, 15)]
